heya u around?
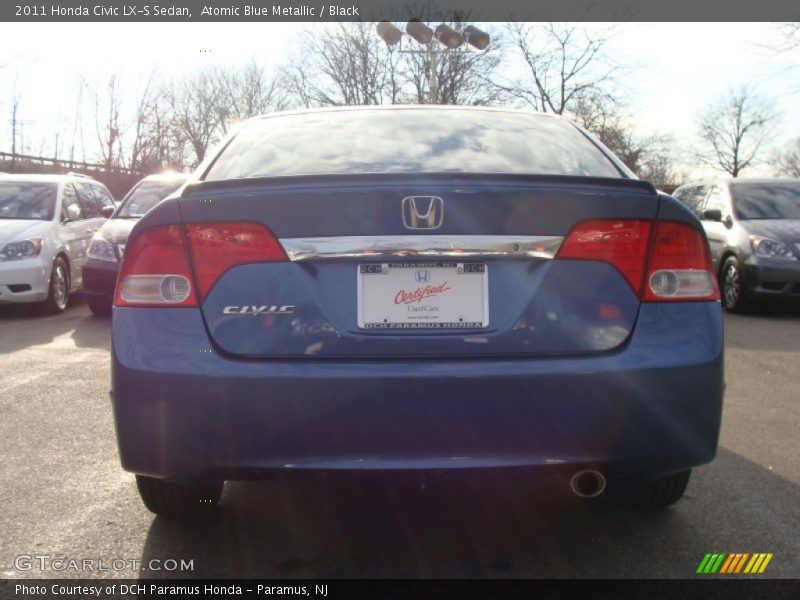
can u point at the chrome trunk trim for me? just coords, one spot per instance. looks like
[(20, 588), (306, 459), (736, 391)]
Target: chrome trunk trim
[(399, 246)]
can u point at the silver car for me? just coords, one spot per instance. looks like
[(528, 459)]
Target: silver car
[(46, 225), (753, 228)]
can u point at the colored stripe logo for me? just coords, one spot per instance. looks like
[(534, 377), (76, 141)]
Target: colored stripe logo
[(735, 562)]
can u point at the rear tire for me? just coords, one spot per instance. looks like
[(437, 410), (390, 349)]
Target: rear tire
[(58, 289), (735, 296), (177, 500), (656, 494), (99, 306)]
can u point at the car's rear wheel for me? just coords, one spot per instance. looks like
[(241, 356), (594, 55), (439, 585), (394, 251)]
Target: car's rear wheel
[(654, 494), (58, 291), (178, 500), (99, 306), (735, 296)]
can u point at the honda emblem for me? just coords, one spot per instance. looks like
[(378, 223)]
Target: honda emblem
[(422, 212), (422, 276)]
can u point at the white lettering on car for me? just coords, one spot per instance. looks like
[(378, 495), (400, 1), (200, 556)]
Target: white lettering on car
[(253, 311)]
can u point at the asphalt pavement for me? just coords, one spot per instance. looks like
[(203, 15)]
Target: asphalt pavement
[(65, 496)]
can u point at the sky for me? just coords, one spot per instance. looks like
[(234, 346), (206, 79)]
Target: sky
[(679, 67)]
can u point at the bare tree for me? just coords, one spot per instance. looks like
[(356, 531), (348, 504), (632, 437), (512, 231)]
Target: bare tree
[(789, 34), (652, 157), (784, 44), (564, 64), (157, 141), (17, 123), (164, 142), (77, 125), (346, 65), (15, 100), (462, 76), (734, 127), (141, 145), (248, 91), (787, 161), (597, 112), (195, 102), (107, 124), (299, 84), (659, 161), (175, 123), (351, 65)]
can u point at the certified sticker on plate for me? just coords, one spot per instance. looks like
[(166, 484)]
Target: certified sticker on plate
[(423, 295)]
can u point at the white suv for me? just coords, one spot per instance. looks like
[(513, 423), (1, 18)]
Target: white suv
[(46, 225)]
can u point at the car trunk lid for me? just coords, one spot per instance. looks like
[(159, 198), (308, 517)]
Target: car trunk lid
[(468, 270)]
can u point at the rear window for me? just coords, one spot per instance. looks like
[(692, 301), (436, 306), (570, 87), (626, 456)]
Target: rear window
[(146, 195), (25, 200), (767, 200), (409, 141)]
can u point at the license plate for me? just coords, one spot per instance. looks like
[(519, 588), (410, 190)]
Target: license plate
[(429, 295)]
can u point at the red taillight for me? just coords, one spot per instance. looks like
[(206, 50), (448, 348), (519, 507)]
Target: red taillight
[(156, 271), (680, 266), (216, 247), (676, 267), (621, 243)]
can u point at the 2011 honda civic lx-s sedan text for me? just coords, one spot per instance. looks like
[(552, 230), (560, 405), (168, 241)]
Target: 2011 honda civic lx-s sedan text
[(416, 289)]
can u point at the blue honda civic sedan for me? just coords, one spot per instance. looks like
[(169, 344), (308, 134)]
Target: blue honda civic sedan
[(416, 289)]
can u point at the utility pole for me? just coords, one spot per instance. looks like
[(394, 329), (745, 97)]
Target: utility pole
[(433, 74), (424, 35), (14, 132)]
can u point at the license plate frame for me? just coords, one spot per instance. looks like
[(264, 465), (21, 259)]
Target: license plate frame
[(423, 300)]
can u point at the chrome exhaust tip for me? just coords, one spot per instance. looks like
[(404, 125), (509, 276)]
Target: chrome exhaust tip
[(588, 484)]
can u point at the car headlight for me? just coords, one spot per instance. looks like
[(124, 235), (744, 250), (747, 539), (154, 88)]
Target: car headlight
[(101, 249), (771, 248), (23, 249)]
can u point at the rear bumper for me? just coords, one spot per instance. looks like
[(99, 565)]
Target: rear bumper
[(773, 277), (99, 278), (183, 411)]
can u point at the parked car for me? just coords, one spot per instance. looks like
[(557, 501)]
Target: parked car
[(46, 222), (753, 227), (108, 244), (416, 289)]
